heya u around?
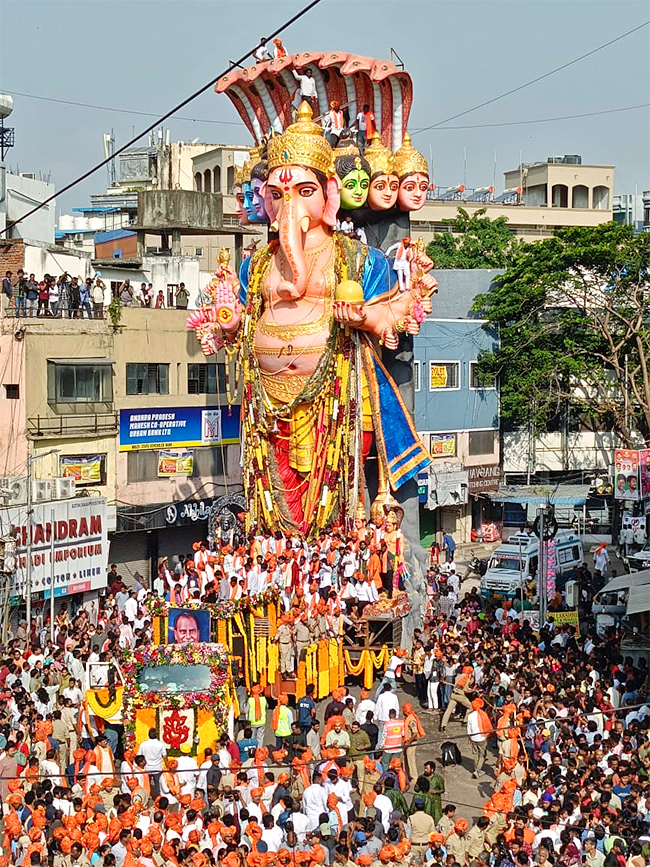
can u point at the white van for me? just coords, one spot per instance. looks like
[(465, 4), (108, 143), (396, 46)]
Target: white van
[(517, 559)]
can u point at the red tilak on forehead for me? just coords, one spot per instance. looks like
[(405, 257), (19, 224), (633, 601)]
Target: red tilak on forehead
[(285, 176)]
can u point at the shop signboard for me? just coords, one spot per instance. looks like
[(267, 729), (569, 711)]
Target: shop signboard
[(644, 473), (178, 427), (84, 469), (172, 463), (80, 546), (626, 474), (443, 445), (484, 478)]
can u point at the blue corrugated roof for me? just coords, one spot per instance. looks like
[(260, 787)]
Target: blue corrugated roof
[(115, 235), (96, 209)]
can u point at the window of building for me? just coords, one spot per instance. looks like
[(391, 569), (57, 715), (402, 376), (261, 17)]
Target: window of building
[(84, 380), (560, 196), (416, 375), (230, 178), (444, 375), (198, 251), (207, 181), (580, 195), (600, 201), (171, 294), (142, 464), (147, 379), (115, 287), (481, 442), (216, 176), (206, 378), (198, 182), (12, 391), (480, 380)]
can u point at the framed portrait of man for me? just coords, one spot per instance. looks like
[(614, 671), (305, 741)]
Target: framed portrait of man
[(186, 624)]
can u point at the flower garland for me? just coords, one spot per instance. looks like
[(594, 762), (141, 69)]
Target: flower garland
[(213, 698), (158, 607)]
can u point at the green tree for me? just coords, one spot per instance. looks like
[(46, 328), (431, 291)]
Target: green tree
[(474, 241), (573, 314)]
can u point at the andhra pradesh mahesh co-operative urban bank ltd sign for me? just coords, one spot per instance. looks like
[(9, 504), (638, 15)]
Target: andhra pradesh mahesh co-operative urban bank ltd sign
[(178, 427)]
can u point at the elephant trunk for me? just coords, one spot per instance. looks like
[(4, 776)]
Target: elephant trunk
[(291, 239)]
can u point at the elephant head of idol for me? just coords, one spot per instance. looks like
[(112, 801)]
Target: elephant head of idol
[(302, 196), (413, 173)]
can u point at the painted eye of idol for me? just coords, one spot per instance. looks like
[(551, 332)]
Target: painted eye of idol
[(307, 190)]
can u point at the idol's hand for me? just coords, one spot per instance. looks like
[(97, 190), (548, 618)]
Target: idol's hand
[(349, 314)]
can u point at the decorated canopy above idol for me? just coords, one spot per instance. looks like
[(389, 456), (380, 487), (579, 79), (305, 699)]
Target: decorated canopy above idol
[(314, 318), (363, 106)]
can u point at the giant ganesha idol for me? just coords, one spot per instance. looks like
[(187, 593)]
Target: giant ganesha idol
[(307, 318)]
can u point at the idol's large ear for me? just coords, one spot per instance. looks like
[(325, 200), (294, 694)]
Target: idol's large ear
[(333, 203)]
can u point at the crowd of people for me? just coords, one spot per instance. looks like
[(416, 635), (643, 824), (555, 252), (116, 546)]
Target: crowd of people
[(67, 297), (553, 722)]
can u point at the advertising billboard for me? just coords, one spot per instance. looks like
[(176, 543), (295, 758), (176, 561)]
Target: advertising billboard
[(80, 545), (178, 427), (626, 474)]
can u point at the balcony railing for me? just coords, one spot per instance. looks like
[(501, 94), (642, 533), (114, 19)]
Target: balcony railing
[(91, 424)]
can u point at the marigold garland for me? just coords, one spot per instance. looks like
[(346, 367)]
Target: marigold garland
[(214, 698)]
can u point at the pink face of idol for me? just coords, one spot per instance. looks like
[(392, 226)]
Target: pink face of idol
[(382, 194), (300, 188), (413, 192), (239, 205)]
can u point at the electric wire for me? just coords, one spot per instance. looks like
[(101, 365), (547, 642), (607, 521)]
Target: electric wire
[(533, 80), (300, 14), (239, 124)]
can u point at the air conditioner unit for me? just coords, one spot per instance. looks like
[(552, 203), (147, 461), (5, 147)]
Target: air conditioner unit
[(41, 490), (13, 491), (64, 488)]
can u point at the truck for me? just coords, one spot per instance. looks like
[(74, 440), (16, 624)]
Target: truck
[(517, 560)]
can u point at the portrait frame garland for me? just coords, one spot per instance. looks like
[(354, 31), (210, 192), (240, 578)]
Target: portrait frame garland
[(158, 607), (214, 698)]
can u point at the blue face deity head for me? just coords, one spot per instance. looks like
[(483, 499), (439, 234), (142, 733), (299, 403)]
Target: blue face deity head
[(248, 201), (259, 211)]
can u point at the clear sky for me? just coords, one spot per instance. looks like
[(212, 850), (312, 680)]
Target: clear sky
[(147, 55)]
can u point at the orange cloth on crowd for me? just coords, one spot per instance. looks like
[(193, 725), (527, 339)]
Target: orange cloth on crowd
[(261, 755), (300, 766), (461, 825), (369, 798), (464, 676), (332, 801), (395, 764), (256, 692), (282, 700), (329, 725), (409, 714), (485, 724)]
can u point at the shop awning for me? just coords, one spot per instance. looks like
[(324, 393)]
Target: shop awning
[(558, 495), (639, 599), (625, 582)]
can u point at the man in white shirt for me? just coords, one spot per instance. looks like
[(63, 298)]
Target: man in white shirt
[(154, 751), (478, 725), (366, 704), (307, 88), (386, 701), (314, 801), (187, 771), (131, 607)]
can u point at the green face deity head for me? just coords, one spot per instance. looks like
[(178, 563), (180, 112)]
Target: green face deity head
[(354, 191), (355, 181)]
